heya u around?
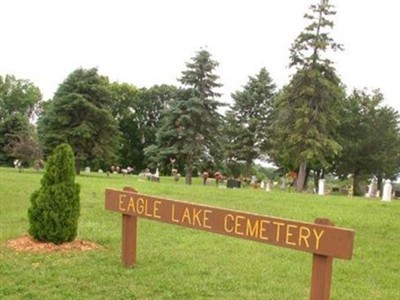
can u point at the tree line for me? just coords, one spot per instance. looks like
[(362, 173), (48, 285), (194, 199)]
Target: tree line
[(311, 126)]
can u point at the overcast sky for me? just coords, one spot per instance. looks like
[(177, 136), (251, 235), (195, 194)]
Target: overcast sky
[(147, 42)]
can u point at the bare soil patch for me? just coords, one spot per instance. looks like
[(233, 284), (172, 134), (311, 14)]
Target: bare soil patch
[(27, 243)]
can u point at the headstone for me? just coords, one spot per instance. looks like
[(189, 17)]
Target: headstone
[(154, 178), (350, 191), (205, 177), (177, 176), (87, 169), (387, 191), (283, 185), (262, 185), (372, 188), (233, 183), (268, 187), (321, 187), (18, 165), (218, 177)]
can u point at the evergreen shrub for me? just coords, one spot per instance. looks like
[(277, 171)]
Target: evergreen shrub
[(55, 207)]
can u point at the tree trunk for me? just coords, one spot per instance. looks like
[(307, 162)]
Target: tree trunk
[(301, 177), (248, 167), (77, 167), (316, 180), (306, 179), (189, 170), (356, 183)]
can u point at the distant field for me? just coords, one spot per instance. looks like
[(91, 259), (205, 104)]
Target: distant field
[(180, 263)]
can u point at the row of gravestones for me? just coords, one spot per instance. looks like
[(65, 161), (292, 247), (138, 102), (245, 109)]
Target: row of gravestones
[(372, 192), (372, 189)]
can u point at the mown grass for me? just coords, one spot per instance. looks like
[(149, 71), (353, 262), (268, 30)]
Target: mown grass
[(180, 263)]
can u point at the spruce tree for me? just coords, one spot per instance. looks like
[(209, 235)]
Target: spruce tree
[(201, 110), (249, 118), (55, 207), (191, 124), (308, 109), (80, 114)]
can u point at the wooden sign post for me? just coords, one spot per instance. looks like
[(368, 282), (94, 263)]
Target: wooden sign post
[(320, 238)]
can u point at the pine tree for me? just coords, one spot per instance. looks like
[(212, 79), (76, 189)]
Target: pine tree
[(80, 115), (308, 109), (248, 120), (55, 207), (190, 129)]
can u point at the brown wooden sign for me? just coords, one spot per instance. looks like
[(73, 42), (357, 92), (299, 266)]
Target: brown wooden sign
[(321, 238), (309, 237)]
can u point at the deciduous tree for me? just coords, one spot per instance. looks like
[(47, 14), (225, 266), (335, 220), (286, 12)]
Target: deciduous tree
[(19, 101), (25, 148), (18, 96), (138, 112), (370, 136)]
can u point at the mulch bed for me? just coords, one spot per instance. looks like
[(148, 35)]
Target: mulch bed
[(27, 243)]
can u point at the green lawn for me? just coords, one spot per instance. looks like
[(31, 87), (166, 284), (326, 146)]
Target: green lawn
[(180, 263)]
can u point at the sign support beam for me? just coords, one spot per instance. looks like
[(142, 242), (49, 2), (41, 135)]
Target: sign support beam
[(129, 236), (129, 239), (321, 276)]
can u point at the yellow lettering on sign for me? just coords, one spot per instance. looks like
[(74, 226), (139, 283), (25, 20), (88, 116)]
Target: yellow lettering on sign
[(238, 225), (206, 219), (173, 214), (196, 216), (252, 229), (120, 202), (289, 234), (186, 216), (131, 205), (263, 229), (304, 234), (140, 206), (278, 229), (317, 237), (156, 208), (228, 227)]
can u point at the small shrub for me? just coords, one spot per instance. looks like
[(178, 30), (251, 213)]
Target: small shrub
[(55, 207)]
